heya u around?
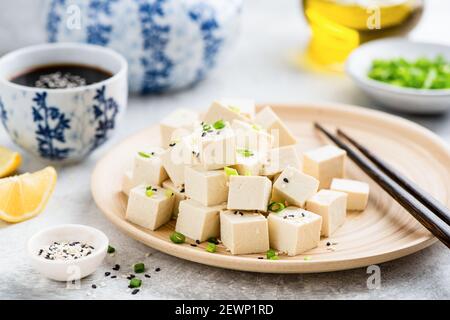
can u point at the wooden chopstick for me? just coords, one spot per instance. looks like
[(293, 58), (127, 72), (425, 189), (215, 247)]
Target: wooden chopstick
[(418, 210), (427, 199)]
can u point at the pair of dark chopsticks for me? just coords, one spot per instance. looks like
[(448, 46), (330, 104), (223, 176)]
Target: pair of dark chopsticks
[(428, 211)]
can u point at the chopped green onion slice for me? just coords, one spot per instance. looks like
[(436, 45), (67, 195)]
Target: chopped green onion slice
[(144, 154), (168, 193), (206, 127), (307, 258), (177, 237), (274, 258), (230, 171), (219, 125), (256, 127), (111, 249), (149, 191), (211, 247), (235, 109), (139, 267), (276, 207), (245, 152), (271, 253), (135, 283), (213, 240)]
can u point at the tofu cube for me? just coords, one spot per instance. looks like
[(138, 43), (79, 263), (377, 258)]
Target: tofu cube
[(229, 110), (248, 162), (148, 168), (357, 192), (251, 136), (179, 194), (177, 124), (209, 187), (249, 193), (279, 159), (198, 222), (127, 182), (149, 207), (294, 230), (268, 119), (294, 187), (179, 155), (324, 164), (331, 206), (244, 233), (214, 148)]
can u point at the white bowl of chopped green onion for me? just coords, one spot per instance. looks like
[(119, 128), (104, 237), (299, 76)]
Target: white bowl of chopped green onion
[(403, 75), (67, 252)]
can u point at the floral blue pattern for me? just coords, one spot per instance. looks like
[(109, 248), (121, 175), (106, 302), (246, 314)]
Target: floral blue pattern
[(99, 32), (157, 65), (51, 126), (3, 115), (105, 112), (205, 16), (53, 19)]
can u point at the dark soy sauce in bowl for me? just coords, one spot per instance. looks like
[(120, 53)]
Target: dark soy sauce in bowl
[(61, 76)]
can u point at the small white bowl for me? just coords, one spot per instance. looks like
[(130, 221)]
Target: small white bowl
[(68, 270), (420, 101)]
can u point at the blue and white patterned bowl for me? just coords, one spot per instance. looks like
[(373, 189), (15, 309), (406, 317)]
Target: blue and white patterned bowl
[(62, 125), (169, 44)]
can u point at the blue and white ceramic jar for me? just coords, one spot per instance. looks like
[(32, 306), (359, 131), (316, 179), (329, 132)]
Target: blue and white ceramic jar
[(62, 125), (169, 44)]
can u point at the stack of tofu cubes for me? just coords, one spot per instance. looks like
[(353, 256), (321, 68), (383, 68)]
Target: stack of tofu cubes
[(236, 175)]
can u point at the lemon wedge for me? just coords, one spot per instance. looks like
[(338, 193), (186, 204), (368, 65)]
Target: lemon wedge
[(25, 196), (9, 162)]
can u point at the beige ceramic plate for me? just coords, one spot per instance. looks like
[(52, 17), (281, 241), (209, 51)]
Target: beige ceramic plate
[(383, 232)]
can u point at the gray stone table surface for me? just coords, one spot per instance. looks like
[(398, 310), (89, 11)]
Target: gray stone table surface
[(260, 67)]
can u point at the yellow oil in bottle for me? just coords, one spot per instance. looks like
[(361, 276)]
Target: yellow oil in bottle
[(339, 26)]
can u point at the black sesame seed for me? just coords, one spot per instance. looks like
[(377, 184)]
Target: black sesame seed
[(286, 180), (94, 286), (147, 275), (107, 274), (158, 269), (40, 252), (113, 277), (182, 190), (203, 133), (260, 257), (197, 241), (328, 244), (193, 245), (135, 291), (116, 267), (172, 144)]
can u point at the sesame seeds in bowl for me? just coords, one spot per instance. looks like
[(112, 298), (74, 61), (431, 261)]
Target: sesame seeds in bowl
[(67, 252)]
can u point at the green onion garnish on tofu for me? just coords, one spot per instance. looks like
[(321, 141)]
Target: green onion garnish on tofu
[(135, 283), (256, 127), (271, 253), (144, 154), (276, 207), (206, 127), (139, 267), (111, 249), (230, 171), (245, 152), (219, 125), (211, 247), (149, 191), (177, 237)]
